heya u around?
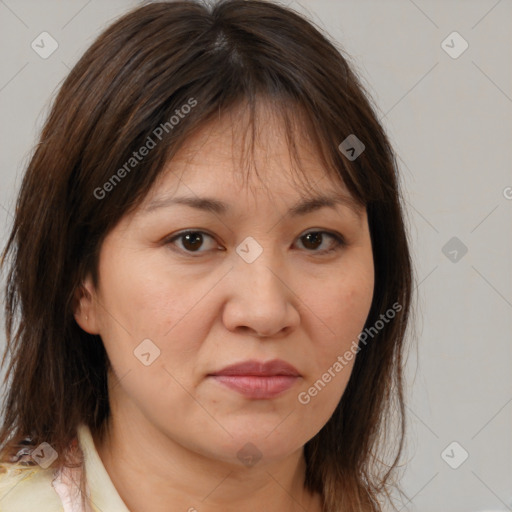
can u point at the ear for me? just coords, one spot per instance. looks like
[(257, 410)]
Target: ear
[(85, 308)]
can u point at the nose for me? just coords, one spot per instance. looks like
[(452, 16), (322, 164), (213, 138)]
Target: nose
[(261, 301)]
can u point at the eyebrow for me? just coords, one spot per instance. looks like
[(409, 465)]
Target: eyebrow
[(217, 207)]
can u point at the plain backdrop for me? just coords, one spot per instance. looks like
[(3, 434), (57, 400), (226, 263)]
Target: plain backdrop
[(449, 115)]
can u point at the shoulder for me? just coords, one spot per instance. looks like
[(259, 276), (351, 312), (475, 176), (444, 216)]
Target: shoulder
[(27, 489)]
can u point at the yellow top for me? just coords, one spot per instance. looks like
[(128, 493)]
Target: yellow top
[(35, 489)]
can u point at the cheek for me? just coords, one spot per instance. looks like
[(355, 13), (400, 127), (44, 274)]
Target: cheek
[(343, 306), (340, 312), (142, 298), (134, 292)]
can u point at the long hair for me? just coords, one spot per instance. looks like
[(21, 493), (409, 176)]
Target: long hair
[(130, 82)]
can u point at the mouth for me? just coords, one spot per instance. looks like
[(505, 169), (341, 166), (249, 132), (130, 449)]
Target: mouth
[(258, 380)]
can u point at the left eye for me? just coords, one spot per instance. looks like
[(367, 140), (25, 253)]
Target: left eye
[(317, 237), (191, 241)]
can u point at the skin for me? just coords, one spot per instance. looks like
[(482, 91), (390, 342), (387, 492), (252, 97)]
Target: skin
[(174, 433)]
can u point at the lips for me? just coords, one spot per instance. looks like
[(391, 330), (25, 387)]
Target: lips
[(258, 380), (260, 369)]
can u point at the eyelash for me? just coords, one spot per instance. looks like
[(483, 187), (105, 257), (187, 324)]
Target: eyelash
[(340, 242)]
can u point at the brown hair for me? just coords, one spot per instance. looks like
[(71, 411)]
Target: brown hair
[(132, 80)]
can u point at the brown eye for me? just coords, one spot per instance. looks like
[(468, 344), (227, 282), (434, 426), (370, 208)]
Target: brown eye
[(191, 241), (314, 239)]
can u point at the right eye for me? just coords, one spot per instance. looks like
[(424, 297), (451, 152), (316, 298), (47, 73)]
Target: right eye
[(191, 241)]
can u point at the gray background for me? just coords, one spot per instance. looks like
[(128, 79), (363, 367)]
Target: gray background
[(451, 124)]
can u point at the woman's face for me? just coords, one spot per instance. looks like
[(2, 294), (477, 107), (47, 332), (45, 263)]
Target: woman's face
[(174, 311)]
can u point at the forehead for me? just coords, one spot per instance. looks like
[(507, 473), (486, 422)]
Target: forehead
[(234, 153)]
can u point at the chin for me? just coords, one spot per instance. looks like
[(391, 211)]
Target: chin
[(257, 445)]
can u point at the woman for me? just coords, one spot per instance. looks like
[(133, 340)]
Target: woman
[(190, 326)]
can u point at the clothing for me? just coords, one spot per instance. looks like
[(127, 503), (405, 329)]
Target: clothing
[(34, 489)]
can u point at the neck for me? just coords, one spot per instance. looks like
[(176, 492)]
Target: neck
[(153, 472)]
